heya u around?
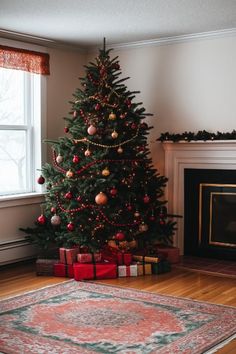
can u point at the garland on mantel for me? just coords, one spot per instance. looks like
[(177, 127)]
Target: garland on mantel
[(200, 135)]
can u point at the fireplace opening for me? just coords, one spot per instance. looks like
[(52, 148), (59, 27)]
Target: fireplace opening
[(210, 213)]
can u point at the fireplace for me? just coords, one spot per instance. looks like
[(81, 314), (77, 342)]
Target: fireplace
[(210, 213), (210, 208)]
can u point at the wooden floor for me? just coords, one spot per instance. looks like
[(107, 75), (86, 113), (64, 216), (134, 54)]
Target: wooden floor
[(20, 278)]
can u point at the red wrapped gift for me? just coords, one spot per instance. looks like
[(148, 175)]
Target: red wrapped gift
[(103, 270), (68, 255), (63, 270), (112, 254), (89, 257)]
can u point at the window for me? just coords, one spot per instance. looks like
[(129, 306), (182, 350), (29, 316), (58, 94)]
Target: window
[(20, 121), (19, 115)]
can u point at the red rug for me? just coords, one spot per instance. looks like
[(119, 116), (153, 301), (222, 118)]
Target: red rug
[(76, 317)]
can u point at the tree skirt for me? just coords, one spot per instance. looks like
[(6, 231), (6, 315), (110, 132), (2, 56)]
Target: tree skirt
[(78, 317)]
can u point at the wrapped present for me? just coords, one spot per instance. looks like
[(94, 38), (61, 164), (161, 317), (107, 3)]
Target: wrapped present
[(163, 266), (68, 255), (144, 268), (171, 253), (114, 255), (89, 257), (146, 258), (45, 266), (128, 271), (63, 270), (103, 270)]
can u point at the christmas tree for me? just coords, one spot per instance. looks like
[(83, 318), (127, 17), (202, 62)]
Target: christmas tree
[(102, 187)]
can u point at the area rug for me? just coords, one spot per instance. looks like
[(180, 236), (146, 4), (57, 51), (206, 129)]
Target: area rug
[(79, 317)]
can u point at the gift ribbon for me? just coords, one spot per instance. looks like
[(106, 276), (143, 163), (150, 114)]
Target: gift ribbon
[(128, 271)]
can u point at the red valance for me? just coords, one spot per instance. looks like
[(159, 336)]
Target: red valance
[(26, 60)]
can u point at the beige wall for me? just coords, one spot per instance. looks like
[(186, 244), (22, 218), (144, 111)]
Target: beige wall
[(66, 66), (187, 86)]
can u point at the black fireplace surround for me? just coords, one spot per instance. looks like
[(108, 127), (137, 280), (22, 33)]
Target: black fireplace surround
[(210, 213)]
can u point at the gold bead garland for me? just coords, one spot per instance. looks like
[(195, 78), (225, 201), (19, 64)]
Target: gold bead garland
[(86, 140)]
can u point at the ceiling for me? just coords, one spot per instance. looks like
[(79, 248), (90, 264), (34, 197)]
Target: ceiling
[(84, 23)]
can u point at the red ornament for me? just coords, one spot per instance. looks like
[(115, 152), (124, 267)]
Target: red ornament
[(79, 198), (101, 198), (146, 199), (70, 226), (120, 236), (53, 210), (68, 195), (97, 107), (76, 159), (66, 129), (122, 116), (129, 207), (128, 102), (41, 180), (113, 191), (152, 218), (42, 219), (162, 222), (133, 126)]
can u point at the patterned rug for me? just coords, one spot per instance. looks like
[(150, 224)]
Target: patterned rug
[(78, 317)]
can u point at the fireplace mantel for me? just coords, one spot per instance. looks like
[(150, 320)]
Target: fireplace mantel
[(220, 154)]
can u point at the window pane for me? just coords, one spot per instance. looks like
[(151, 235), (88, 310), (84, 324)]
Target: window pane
[(12, 97), (13, 177)]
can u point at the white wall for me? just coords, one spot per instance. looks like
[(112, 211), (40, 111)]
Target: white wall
[(188, 86), (65, 66)]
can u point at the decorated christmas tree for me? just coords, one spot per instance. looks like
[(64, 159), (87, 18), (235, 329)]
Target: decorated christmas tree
[(102, 187)]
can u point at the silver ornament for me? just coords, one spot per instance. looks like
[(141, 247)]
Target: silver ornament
[(55, 220)]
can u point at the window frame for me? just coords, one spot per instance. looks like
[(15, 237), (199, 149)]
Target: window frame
[(35, 128)]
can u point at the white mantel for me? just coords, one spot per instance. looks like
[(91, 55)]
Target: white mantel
[(219, 154)]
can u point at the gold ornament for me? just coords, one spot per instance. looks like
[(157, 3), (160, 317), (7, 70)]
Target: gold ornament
[(69, 174), (114, 135), (119, 150), (101, 198), (112, 243), (143, 227), (133, 244), (123, 245), (112, 116), (87, 152), (105, 172)]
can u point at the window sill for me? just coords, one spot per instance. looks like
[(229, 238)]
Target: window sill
[(21, 199)]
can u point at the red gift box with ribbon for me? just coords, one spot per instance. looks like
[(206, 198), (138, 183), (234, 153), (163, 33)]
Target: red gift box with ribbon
[(88, 271), (63, 270), (114, 255), (68, 255)]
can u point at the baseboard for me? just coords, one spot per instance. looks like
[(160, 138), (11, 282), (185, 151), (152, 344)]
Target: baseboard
[(15, 251)]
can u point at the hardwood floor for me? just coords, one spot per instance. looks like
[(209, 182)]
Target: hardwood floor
[(20, 278)]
